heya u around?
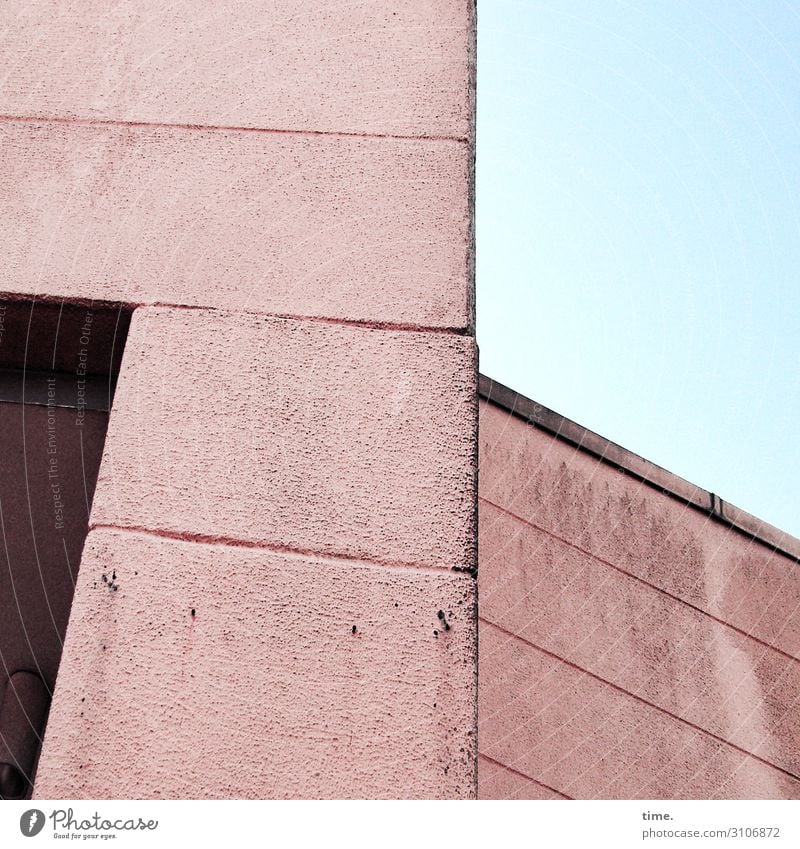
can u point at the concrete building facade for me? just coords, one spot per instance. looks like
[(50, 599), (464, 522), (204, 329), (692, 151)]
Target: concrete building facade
[(639, 637), (281, 194), (265, 522)]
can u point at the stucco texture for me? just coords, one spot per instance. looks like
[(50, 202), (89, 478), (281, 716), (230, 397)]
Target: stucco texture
[(631, 646), (369, 230), (305, 435), (401, 68), (226, 672)]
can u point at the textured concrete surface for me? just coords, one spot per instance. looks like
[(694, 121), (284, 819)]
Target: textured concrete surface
[(631, 647), (548, 720), (305, 435), (48, 471), (373, 230), (285, 190), (533, 413), (400, 68), (576, 497), (499, 782), (267, 690)]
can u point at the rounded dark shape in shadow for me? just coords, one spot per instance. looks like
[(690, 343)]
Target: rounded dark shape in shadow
[(12, 782)]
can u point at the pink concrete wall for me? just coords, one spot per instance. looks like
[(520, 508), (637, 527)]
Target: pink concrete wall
[(220, 164), (285, 156), (266, 691), (631, 646), (355, 228), (333, 439)]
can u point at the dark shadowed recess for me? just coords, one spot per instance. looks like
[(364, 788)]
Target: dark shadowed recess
[(58, 370)]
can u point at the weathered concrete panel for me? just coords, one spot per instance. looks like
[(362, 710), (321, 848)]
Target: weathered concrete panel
[(586, 739), (373, 230), (369, 67), (643, 641), (631, 646), (496, 782), (295, 677), (306, 435), (592, 505)]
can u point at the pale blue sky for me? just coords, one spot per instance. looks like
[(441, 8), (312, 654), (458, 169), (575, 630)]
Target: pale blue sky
[(638, 226)]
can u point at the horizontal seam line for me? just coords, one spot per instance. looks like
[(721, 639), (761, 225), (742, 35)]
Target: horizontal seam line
[(165, 125), (523, 775), (642, 581), (320, 319), (643, 701), (275, 548), (367, 324)]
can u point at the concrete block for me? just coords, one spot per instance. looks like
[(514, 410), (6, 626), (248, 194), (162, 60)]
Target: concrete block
[(226, 672), (402, 68), (639, 639), (497, 782), (303, 435)]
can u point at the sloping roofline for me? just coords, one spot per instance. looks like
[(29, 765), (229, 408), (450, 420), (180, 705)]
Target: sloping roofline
[(649, 473)]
